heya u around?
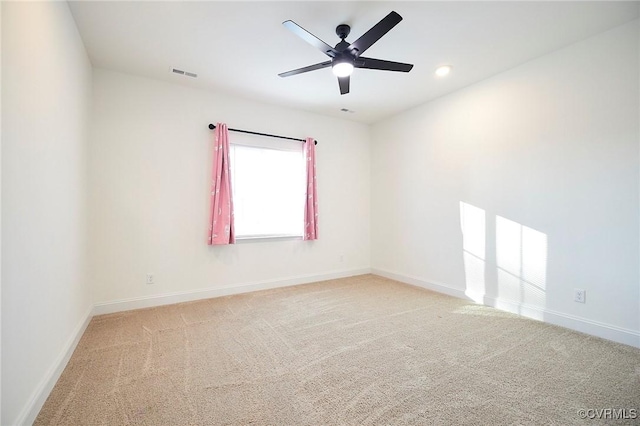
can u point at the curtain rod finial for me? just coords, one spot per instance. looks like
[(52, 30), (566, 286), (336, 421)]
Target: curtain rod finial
[(211, 126)]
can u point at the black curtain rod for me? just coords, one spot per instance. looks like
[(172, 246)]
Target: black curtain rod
[(212, 126)]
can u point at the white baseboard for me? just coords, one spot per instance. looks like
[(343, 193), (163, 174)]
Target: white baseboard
[(583, 325), (206, 293), (30, 411), (429, 285)]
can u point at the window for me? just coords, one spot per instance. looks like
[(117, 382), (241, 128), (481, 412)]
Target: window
[(268, 182)]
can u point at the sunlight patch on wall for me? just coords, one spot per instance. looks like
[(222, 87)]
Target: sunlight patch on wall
[(473, 225), (521, 256)]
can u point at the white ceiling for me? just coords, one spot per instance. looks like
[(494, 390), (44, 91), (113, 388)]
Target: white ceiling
[(239, 48)]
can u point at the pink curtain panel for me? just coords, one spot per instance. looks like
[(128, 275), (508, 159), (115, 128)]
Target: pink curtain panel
[(311, 200), (221, 209)]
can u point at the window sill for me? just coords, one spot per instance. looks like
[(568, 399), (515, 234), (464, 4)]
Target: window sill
[(266, 238)]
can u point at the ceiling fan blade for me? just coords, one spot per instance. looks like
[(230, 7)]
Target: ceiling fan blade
[(379, 64), (306, 69), (310, 38), (344, 84), (375, 33)]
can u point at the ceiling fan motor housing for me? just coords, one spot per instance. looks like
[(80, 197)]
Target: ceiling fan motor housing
[(342, 47)]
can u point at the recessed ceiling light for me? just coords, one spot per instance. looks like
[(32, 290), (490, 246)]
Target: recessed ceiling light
[(443, 70)]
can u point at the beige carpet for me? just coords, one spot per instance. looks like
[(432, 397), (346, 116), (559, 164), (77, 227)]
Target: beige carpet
[(360, 350)]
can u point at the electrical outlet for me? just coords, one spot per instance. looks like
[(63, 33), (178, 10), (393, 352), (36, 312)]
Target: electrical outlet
[(579, 295), (341, 258), (150, 279)]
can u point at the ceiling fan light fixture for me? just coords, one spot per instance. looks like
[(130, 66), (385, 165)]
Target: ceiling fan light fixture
[(443, 70), (342, 68)]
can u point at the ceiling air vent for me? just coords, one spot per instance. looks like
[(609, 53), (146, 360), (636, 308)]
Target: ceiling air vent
[(181, 72)]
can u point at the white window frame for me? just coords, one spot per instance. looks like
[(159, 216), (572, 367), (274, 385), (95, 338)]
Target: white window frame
[(264, 143)]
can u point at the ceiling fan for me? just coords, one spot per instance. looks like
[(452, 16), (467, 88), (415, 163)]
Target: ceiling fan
[(346, 56)]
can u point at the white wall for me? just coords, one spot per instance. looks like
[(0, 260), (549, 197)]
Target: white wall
[(0, 209), (150, 166), (545, 159), (46, 81)]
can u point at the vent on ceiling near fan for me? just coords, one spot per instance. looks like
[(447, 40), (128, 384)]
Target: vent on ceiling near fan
[(181, 72)]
